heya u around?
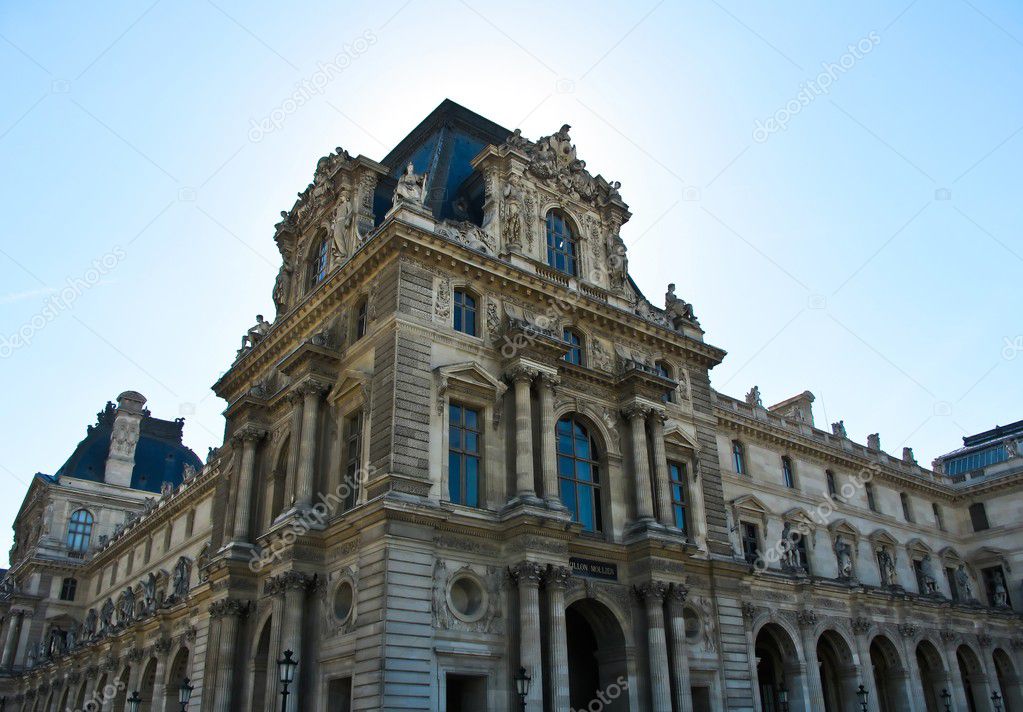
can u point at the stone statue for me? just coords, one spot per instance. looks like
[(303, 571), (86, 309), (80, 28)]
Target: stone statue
[(106, 617), (511, 209), (843, 553), (344, 228), (282, 287), (677, 309), (149, 593), (930, 583), (255, 334), (964, 584), (517, 140), (887, 566), (1001, 595), (202, 561), (753, 397), (411, 188), (71, 638), (182, 577), (89, 628), (1011, 448), (839, 429), (126, 607), (790, 559), (617, 262), (166, 489)]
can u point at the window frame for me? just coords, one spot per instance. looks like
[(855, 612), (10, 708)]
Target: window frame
[(465, 455), (788, 473), (569, 251), (79, 533), (574, 338), (459, 310), (939, 517), (665, 370), (978, 511), (360, 325), (318, 264), (832, 484), (595, 484), (739, 458), (907, 508), (750, 557), (868, 488), (68, 589), (353, 442), (680, 495)]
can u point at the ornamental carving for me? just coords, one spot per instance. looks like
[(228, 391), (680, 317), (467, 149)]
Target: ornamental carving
[(442, 302), (860, 625), (984, 640), (651, 591), (948, 636), (490, 616), (527, 572), (807, 618), (228, 607), (553, 160), (557, 577), (288, 581), (908, 630), (749, 610), (469, 235)]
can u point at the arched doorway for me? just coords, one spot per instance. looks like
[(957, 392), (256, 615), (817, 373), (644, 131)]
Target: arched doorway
[(1008, 681), (778, 670), (98, 695), (146, 685), (177, 672), (597, 659), (839, 675), (933, 676), (258, 667), (890, 678), (975, 684), (121, 691)]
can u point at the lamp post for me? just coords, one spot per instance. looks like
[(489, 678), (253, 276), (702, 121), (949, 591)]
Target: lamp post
[(945, 697), (862, 694), (3, 703), (184, 694), (783, 697), (996, 700), (286, 668), (134, 701), (522, 680)]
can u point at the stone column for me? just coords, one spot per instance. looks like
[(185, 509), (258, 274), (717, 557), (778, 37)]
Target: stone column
[(227, 613), (247, 438), (548, 441), (295, 399), (522, 377), (807, 622), (555, 582), (305, 475), (528, 575), (652, 593), (11, 635), (956, 686), (162, 648), (662, 478), (293, 585), (861, 626), (681, 688), (636, 415)]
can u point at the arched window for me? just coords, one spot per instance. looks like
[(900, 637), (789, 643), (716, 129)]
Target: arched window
[(465, 312), (575, 346), (579, 474), (318, 264), (79, 530), (561, 243), (738, 457), (664, 371)]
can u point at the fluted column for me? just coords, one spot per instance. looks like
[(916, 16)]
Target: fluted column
[(807, 623), (636, 415), (305, 477), (522, 377), (528, 575), (548, 441), (652, 594), (295, 399), (11, 636), (662, 478), (681, 688), (228, 613), (247, 438), (293, 586), (555, 582)]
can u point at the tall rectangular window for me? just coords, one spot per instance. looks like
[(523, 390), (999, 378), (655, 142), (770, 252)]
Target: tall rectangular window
[(463, 316), (679, 494), (907, 508), (361, 318), (786, 472), (68, 589), (750, 542), (463, 455), (978, 517), (939, 520), (871, 499), (953, 587), (832, 484), (738, 457), (353, 459)]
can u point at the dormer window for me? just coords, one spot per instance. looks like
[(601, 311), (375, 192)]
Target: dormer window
[(561, 243), (317, 264)]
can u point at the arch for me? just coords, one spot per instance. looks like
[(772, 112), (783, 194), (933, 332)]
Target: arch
[(121, 690), (177, 672), (80, 697), (63, 704), (933, 674), (147, 684), (562, 241), (1008, 680), (98, 694), (887, 674), (262, 682), (598, 423), (598, 655), (975, 682), (79, 530), (839, 673), (779, 671)]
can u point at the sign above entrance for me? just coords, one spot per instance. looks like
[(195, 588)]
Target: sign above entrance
[(594, 569)]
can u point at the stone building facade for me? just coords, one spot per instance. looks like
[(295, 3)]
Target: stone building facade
[(469, 444)]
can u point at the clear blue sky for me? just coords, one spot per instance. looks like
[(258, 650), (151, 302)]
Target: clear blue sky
[(866, 246)]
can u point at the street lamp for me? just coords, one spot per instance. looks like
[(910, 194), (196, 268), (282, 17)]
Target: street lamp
[(862, 694), (945, 697), (286, 668), (522, 680), (996, 700), (783, 697), (184, 694), (134, 701), (3, 703)]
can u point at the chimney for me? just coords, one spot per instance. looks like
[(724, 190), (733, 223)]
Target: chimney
[(125, 435)]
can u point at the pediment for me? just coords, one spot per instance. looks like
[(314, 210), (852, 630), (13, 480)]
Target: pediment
[(350, 382), (843, 526), (798, 514), (917, 544), (467, 378), (675, 435), (881, 536), (950, 553), (750, 503)]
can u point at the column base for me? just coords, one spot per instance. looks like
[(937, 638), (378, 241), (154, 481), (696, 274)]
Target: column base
[(646, 527), (555, 505), (524, 499), (238, 550)]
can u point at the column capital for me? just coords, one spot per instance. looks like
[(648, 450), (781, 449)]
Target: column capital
[(288, 581), (678, 593), (310, 386), (548, 379), (521, 372), (248, 433), (860, 625), (162, 646), (908, 630), (229, 607), (557, 577), (651, 591), (527, 572)]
